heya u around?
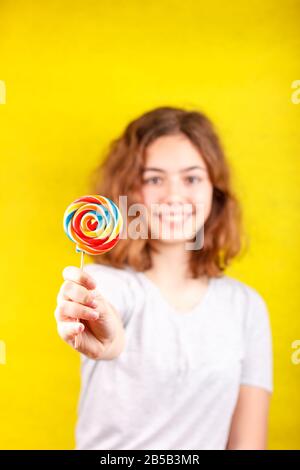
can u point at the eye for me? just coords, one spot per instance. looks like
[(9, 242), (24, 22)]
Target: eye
[(193, 179), (153, 180)]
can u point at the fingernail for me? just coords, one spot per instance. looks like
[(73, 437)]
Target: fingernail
[(95, 315), (94, 304)]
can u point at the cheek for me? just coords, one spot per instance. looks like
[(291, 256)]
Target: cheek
[(209, 197), (149, 195), (204, 195)]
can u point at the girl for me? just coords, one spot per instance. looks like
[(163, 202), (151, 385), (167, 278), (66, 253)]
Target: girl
[(174, 353)]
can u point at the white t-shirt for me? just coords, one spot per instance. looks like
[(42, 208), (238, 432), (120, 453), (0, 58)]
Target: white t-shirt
[(176, 384)]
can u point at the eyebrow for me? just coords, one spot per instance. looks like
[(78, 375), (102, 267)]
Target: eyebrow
[(181, 171)]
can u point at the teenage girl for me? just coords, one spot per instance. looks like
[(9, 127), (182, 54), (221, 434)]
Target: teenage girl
[(175, 354)]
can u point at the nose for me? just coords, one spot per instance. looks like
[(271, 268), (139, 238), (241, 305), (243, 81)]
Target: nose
[(174, 189)]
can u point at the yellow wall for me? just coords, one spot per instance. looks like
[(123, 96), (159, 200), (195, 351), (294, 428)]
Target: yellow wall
[(75, 73)]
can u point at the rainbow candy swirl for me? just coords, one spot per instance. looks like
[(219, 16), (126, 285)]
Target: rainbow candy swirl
[(93, 223)]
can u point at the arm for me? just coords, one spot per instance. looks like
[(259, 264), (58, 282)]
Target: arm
[(249, 423)]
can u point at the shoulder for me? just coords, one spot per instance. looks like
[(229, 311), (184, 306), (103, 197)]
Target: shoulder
[(118, 280), (122, 276), (236, 290), (97, 269), (121, 286), (242, 298)]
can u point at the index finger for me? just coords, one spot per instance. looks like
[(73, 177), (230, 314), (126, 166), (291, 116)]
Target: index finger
[(72, 273)]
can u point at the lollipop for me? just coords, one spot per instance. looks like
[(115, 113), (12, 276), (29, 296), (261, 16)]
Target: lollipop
[(94, 223)]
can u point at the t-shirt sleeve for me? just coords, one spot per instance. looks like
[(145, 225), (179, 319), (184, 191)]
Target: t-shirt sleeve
[(257, 368), (112, 283)]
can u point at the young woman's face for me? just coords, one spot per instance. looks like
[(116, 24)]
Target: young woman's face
[(176, 188)]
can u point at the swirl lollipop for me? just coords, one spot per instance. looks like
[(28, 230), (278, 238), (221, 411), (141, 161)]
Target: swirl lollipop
[(94, 223)]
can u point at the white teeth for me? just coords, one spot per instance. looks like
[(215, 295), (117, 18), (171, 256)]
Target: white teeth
[(174, 214)]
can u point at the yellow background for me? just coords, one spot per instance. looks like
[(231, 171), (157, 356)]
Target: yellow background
[(76, 72)]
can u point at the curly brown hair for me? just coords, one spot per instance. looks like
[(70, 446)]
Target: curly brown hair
[(120, 173)]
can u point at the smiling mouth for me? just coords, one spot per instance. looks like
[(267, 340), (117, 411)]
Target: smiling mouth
[(174, 218), (176, 214)]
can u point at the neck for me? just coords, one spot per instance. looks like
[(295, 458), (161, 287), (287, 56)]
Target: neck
[(170, 265)]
